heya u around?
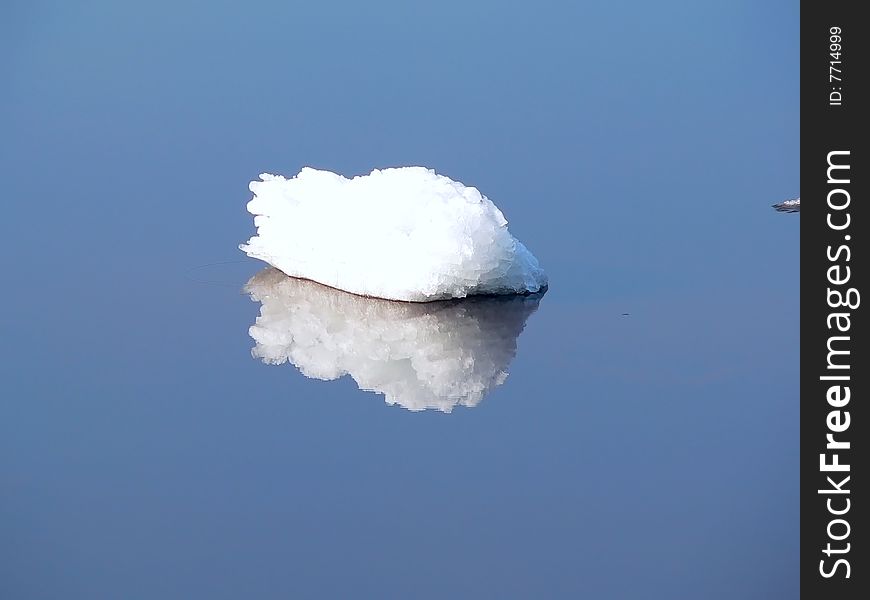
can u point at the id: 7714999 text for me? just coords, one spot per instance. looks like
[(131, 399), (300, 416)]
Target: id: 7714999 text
[(835, 71)]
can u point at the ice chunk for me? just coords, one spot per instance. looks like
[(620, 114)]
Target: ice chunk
[(789, 205), (420, 356), (401, 234)]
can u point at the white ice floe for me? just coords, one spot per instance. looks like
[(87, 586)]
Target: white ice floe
[(400, 234), (420, 356), (789, 205)]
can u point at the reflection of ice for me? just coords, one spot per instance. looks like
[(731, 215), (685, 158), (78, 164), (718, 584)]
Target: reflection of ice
[(419, 356)]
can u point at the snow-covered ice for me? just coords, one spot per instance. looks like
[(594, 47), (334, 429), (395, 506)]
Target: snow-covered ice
[(420, 356), (401, 234)]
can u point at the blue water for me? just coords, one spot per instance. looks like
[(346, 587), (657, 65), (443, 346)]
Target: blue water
[(636, 148)]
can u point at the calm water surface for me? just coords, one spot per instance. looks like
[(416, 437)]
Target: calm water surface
[(146, 453)]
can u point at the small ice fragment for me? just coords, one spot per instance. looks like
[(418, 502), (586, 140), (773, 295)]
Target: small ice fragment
[(789, 206)]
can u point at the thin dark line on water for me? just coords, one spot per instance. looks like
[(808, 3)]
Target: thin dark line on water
[(188, 275)]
